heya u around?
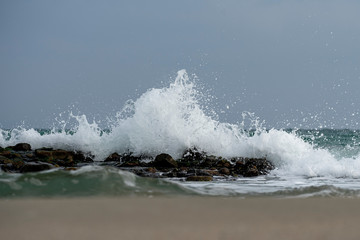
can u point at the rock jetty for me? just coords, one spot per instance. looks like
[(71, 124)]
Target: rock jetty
[(194, 165)]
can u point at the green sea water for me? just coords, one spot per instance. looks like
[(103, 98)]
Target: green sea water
[(342, 180)]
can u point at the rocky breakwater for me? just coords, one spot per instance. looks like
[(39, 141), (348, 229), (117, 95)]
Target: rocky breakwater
[(21, 159), (194, 165)]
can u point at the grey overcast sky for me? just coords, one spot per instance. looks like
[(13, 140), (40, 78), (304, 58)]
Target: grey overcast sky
[(292, 63)]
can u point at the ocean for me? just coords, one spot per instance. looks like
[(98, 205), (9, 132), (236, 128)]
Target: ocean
[(308, 162)]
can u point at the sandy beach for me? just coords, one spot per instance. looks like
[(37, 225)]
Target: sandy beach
[(179, 218)]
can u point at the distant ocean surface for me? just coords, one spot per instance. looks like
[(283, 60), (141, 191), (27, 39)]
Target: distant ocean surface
[(308, 163)]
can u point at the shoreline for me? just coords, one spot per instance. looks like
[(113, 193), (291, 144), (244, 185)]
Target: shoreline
[(179, 218)]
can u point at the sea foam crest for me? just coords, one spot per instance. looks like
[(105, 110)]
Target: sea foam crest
[(171, 119)]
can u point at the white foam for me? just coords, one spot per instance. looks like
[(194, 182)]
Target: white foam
[(293, 156), (171, 119)]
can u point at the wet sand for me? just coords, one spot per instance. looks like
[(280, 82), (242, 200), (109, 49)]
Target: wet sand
[(179, 218)]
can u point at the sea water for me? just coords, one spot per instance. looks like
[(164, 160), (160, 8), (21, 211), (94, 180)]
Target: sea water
[(323, 162)]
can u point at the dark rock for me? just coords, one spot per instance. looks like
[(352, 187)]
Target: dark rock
[(185, 169), (181, 174), (223, 164), (251, 167), (4, 160), (7, 167), (199, 178), (202, 172), (46, 149), (62, 163), (193, 154), (224, 171), (144, 164), (60, 157), (134, 163), (12, 165), (171, 174), (212, 172), (79, 156), (209, 161), (151, 170), (22, 147), (29, 155), (199, 172), (10, 154), (192, 171), (71, 168), (63, 155), (17, 163), (186, 163), (164, 161), (36, 167), (194, 165), (128, 157), (44, 153), (113, 158), (176, 173)]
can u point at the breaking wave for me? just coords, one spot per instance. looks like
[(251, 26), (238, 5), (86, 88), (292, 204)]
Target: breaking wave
[(175, 117)]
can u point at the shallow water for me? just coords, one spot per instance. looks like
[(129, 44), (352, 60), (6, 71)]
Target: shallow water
[(109, 181)]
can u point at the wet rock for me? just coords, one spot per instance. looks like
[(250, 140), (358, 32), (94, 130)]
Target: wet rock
[(29, 155), (63, 155), (36, 167), (224, 171), (171, 174), (71, 168), (44, 153), (209, 161), (144, 164), (199, 178), (251, 171), (128, 157), (164, 161), (17, 163), (194, 165), (12, 165), (22, 147), (115, 157), (251, 167), (79, 156), (151, 170), (177, 173), (63, 163), (7, 167), (46, 149), (4, 160), (185, 169), (223, 164), (198, 172), (182, 174), (194, 155), (10, 154), (212, 172), (186, 163), (60, 157), (134, 163)]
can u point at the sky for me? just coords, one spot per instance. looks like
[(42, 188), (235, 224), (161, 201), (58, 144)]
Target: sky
[(291, 63)]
